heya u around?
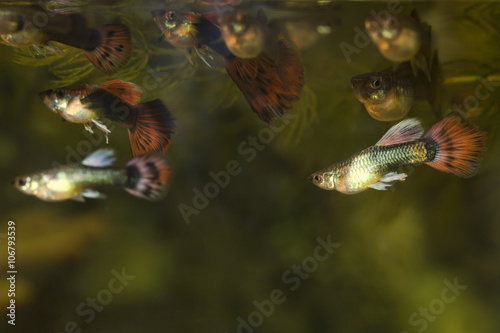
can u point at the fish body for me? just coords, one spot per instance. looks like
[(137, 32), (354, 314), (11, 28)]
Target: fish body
[(398, 38), (146, 177), (269, 86), (108, 47), (452, 145), (150, 125)]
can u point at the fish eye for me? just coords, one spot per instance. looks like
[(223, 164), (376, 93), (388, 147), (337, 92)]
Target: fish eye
[(21, 181), (171, 15), (376, 84), (318, 178), (59, 94)]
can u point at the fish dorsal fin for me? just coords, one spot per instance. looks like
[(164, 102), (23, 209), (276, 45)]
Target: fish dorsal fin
[(404, 131), (100, 158), (126, 91)]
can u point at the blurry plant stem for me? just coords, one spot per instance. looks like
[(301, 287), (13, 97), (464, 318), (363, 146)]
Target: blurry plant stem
[(470, 78)]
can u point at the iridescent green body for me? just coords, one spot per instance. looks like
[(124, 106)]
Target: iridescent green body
[(369, 166), (68, 182)]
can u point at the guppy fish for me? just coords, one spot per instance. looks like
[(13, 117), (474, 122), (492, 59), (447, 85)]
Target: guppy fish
[(398, 38), (452, 145), (389, 95), (269, 86), (108, 47), (145, 177), (150, 125)]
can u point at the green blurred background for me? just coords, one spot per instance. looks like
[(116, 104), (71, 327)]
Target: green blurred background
[(397, 247)]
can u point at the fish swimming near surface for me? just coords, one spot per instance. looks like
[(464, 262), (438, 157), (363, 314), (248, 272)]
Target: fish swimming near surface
[(389, 95), (108, 47), (398, 38), (269, 85), (150, 125), (146, 177), (452, 145)]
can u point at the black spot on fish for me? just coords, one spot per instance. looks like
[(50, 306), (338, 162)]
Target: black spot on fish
[(132, 176), (111, 33), (106, 55), (99, 62), (117, 49), (111, 63), (153, 170)]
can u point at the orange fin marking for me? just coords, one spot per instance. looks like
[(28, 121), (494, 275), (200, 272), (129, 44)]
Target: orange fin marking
[(114, 50), (459, 145), (153, 129), (269, 88), (126, 91)]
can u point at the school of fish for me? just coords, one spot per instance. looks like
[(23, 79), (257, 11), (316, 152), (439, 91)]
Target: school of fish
[(267, 68)]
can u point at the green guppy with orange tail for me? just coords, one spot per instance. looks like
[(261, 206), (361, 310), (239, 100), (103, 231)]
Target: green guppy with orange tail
[(452, 145)]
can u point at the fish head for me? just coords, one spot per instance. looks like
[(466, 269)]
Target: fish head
[(28, 184), (178, 27), (371, 87), (322, 179), (56, 99), (382, 29), (244, 36)]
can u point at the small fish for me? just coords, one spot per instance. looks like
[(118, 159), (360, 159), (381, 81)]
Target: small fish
[(150, 125), (145, 177), (108, 47), (269, 86), (452, 145), (388, 95), (398, 38)]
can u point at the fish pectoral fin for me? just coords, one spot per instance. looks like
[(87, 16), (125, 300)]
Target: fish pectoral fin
[(393, 176), (101, 126), (88, 127), (188, 56), (381, 186), (201, 55), (383, 183), (100, 158), (404, 131), (78, 198), (89, 193)]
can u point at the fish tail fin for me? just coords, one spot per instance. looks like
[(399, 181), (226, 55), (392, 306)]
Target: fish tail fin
[(290, 68), (148, 176), (114, 49), (153, 128), (126, 91), (269, 87), (454, 145)]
